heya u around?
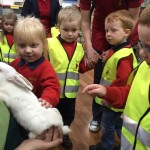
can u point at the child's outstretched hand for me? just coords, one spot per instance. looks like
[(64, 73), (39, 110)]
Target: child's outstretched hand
[(44, 103), (95, 90)]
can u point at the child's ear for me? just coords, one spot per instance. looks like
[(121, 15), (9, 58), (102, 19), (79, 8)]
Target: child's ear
[(127, 32)]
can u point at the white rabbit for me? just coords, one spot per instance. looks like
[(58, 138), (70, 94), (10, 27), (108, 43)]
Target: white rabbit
[(16, 92)]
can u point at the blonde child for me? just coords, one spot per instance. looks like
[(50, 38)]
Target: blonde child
[(7, 49), (67, 58), (31, 44)]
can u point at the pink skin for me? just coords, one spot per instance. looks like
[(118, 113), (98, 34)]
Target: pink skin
[(8, 25), (115, 33), (69, 30), (144, 37)]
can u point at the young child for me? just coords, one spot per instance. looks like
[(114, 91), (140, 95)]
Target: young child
[(7, 49), (67, 58), (119, 62), (133, 97), (31, 44)]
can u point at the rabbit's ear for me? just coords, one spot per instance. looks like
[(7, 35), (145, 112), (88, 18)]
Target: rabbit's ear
[(22, 81)]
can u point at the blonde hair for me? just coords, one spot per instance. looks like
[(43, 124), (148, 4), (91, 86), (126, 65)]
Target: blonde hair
[(123, 16), (144, 18), (29, 30), (9, 15), (70, 13)]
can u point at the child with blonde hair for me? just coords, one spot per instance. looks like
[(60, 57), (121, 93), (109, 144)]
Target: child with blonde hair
[(67, 57), (7, 49), (31, 44)]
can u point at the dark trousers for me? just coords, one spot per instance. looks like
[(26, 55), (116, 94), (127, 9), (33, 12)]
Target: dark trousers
[(66, 108), (111, 123), (96, 108)]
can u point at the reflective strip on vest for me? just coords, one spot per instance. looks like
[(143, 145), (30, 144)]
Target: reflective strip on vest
[(125, 145), (142, 136), (104, 82), (68, 88), (13, 56), (70, 75)]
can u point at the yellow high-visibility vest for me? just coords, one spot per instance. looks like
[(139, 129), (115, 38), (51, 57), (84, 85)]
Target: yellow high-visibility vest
[(110, 68), (66, 70)]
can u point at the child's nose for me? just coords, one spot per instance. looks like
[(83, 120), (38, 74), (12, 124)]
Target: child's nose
[(70, 33), (28, 49)]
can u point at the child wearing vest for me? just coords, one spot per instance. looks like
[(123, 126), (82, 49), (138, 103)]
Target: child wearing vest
[(31, 44), (119, 62), (135, 96), (7, 49), (67, 57)]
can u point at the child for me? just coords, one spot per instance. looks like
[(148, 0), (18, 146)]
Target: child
[(134, 96), (67, 58), (8, 52), (119, 62), (31, 44)]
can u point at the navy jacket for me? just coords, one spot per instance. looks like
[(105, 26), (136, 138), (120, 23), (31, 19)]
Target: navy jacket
[(30, 7)]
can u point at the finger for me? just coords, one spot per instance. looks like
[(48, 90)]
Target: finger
[(49, 134), (60, 132), (90, 87), (52, 144), (48, 105), (56, 133)]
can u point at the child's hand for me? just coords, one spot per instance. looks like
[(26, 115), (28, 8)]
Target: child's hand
[(44, 103), (95, 90), (104, 56)]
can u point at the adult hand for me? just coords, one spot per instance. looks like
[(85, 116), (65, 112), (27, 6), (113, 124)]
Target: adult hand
[(104, 56), (37, 144), (50, 138), (91, 56)]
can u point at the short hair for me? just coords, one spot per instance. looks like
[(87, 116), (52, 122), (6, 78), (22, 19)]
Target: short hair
[(29, 29), (69, 13), (123, 16), (144, 18)]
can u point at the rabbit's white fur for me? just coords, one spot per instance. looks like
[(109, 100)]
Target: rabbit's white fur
[(15, 91)]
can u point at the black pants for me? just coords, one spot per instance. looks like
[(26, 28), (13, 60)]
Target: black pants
[(66, 108)]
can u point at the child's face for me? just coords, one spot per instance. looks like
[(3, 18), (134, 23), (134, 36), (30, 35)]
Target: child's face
[(69, 30), (30, 52), (8, 25), (115, 34), (144, 32)]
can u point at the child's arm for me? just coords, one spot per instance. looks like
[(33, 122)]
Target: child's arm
[(49, 86), (115, 96)]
